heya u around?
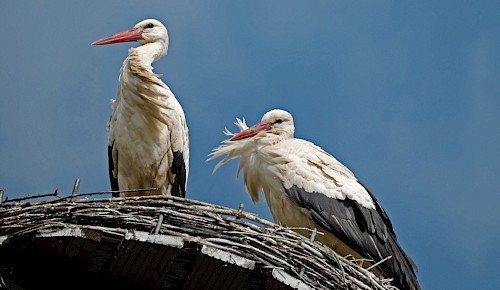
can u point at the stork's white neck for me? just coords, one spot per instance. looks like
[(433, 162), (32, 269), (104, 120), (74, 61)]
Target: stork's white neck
[(139, 62), (151, 52), (139, 88)]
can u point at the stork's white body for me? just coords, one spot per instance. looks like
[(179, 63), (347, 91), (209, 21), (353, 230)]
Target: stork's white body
[(273, 168), (147, 131), (304, 186)]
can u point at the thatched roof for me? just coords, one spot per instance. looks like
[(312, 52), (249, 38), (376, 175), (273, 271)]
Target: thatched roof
[(155, 242)]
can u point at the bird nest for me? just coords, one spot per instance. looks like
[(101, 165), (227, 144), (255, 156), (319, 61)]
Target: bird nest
[(234, 231)]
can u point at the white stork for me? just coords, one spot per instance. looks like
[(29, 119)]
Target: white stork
[(147, 132), (305, 186)]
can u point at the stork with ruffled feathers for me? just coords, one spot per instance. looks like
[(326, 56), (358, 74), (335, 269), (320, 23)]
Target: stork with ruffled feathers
[(148, 143), (305, 187)]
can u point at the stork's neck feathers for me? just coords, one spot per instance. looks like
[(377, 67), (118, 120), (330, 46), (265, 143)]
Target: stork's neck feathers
[(139, 61), (269, 138), (151, 52), (139, 87)]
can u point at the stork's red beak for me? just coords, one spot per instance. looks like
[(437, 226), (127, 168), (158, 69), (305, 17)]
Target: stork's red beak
[(122, 36), (252, 131)]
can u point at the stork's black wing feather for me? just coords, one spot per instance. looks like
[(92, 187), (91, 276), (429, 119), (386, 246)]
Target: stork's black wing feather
[(369, 232), (111, 167), (179, 170)]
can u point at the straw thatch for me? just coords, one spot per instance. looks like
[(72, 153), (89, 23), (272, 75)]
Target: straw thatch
[(233, 231)]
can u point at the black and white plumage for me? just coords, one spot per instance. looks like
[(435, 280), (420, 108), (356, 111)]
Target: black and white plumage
[(147, 131), (304, 186)]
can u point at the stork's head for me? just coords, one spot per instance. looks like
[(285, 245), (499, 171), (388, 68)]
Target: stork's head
[(146, 31), (275, 122)]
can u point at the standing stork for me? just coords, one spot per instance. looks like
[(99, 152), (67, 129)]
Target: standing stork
[(306, 187), (147, 132)]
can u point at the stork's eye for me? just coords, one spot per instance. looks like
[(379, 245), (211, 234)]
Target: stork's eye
[(279, 121), (149, 25)]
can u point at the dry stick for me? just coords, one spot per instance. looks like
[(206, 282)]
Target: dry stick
[(112, 191), (32, 196), (158, 225), (311, 239), (95, 193), (75, 188), (264, 246), (240, 209), (378, 263)]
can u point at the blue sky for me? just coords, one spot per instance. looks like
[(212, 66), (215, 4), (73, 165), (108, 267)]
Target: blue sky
[(406, 94)]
